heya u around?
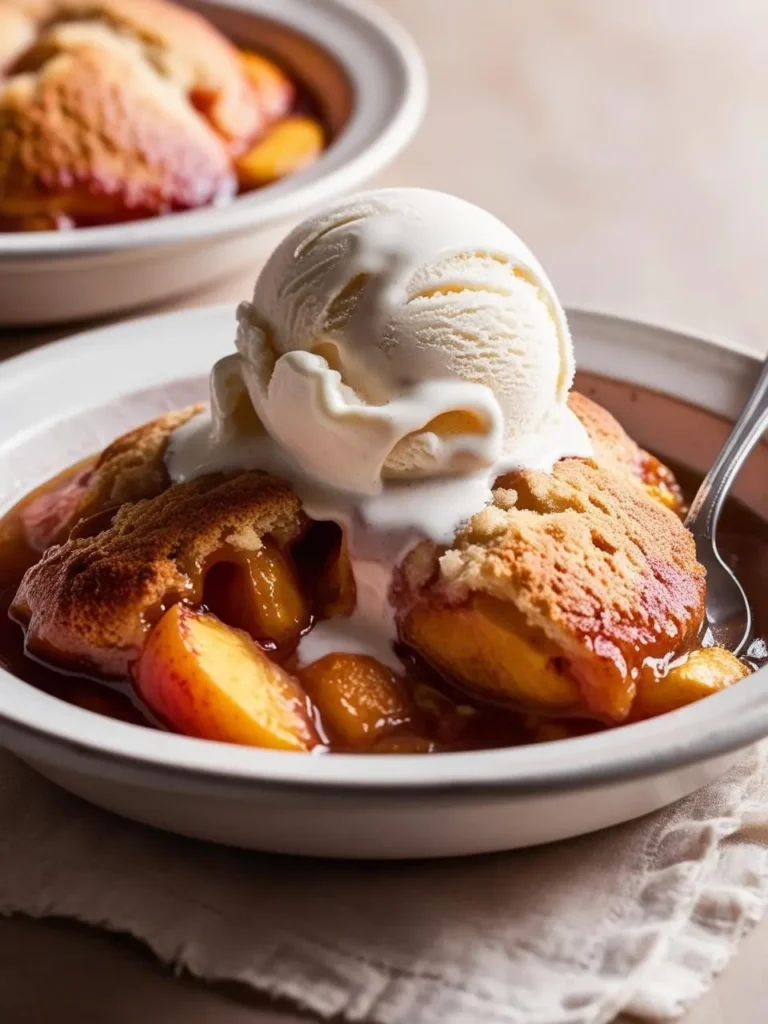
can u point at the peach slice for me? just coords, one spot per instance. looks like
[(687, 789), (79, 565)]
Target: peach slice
[(660, 483), (286, 147), (208, 680), (698, 675), (45, 516), (484, 648), (258, 591), (360, 700), (323, 562), (336, 593), (275, 90)]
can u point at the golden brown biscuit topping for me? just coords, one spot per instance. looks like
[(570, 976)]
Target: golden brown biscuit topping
[(90, 601), (131, 468), (120, 109), (180, 45), (586, 558)]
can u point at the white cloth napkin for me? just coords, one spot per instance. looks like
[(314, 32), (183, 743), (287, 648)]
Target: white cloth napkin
[(638, 918)]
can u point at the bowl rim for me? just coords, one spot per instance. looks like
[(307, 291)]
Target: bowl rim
[(388, 80), (46, 728)]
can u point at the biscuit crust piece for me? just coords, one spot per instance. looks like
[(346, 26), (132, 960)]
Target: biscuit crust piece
[(116, 109), (593, 571), (183, 46), (89, 602), (131, 468), (615, 449)]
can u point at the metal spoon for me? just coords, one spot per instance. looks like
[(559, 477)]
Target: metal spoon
[(728, 618)]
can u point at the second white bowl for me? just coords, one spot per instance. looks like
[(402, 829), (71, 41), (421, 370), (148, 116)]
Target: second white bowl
[(370, 81)]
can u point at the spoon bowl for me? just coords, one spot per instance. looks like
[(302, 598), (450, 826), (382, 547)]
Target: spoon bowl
[(728, 617), (728, 621)]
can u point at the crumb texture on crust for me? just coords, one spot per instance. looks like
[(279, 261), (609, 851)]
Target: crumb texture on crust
[(611, 443), (587, 559), (90, 601), (117, 108), (133, 466), (615, 449)]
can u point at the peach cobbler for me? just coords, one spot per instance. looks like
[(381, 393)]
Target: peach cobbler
[(122, 109), (395, 529)]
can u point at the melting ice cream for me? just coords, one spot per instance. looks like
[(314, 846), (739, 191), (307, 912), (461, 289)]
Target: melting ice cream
[(401, 350)]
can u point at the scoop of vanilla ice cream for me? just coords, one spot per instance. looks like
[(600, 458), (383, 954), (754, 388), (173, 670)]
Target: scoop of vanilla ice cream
[(407, 333)]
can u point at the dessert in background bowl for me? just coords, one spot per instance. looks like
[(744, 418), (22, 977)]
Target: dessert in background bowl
[(165, 143), (394, 530), (127, 109)]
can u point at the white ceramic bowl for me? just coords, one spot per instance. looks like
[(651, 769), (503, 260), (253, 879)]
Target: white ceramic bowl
[(370, 80), (67, 400)]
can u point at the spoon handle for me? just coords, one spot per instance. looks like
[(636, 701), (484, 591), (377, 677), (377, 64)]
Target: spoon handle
[(749, 428)]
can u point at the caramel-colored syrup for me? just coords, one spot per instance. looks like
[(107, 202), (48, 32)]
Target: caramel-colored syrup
[(116, 700)]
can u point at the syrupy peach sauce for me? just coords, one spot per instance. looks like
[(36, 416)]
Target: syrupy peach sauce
[(16, 556), (449, 719)]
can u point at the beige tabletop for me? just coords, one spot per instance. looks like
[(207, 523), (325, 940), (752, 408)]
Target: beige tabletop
[(625, 143)]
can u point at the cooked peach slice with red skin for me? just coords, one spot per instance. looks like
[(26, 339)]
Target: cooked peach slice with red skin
[(206, 679), (360, 701), (45, 515)]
